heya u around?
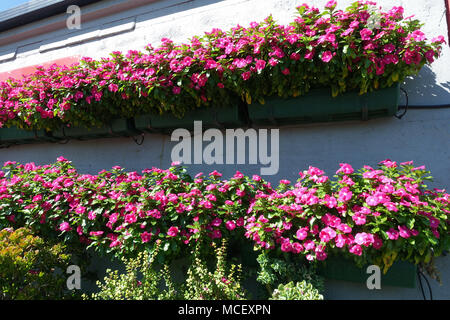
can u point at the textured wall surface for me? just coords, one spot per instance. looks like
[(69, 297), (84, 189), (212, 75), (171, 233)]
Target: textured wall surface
[(422, 135)]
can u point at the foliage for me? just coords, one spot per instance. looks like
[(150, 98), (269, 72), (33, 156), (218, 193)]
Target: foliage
[(361, 48), (30, 268), (275, 272), (144, 280), (202, 284), (141, 281), (374, 216), (298, 291)]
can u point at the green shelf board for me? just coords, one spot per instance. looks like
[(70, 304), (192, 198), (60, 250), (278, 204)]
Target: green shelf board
[(119, 127), (400, 274), (14, 135), (225, 117), (319, 106)]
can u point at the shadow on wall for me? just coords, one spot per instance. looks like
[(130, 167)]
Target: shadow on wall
[(423, 89)]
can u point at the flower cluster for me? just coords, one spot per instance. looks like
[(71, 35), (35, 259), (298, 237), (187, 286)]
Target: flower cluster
[(361, 48), (373, 215)]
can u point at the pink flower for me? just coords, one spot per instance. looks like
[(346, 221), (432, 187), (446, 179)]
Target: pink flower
[(145, 237), (418, 35), (246, 75), (327, 234), (435, 233), (273, 62), (176, 90), (331, 4), (172, 232), (344, 228), (404, 232), (365, 34), (115, 243), (216, 222), (392, 234), (391, 206), (91, 215), (364, 239), (80, 210), (130, 218), (230, 225), (260, 65), (285, 71), (345, 194), (345, 168), (215, 174), (286, 246), (95, 233), (389, 48), (320, 256), (330, 201), (434, 222), (359, 219), (356, 250), (309, 54), (309, 245), (302, 233), (438, 39), (372, 201), (295, 56), (113, 87), (430, 55), (331, 221), (327, 56), (37, 198), (297, 247), (377, 242), (340, 240), (64, 226)]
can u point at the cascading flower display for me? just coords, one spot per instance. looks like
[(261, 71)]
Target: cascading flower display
[(360, 48), (372, 215)]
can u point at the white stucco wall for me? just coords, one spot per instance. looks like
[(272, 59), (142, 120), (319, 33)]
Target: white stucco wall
[(422, 135)]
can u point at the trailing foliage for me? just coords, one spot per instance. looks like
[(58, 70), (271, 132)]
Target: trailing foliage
[(140, 281), (276, 271), (361, 48), (374, 216), (145, 280), (221, 284)]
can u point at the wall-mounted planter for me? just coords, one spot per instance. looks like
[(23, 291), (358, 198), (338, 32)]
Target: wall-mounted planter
[(224, 117), (400, 274), (14, 135), (319, 106), (117, 128)]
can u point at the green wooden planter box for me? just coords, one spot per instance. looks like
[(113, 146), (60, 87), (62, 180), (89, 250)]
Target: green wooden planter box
[(117, 128), (400, 274), (14, 135), (319, 106), (224, 117)]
